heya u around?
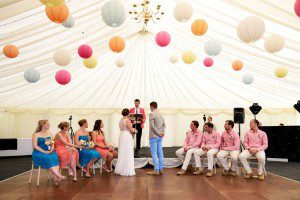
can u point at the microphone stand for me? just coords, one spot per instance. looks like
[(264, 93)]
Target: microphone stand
[(71, 129), (204, 120)]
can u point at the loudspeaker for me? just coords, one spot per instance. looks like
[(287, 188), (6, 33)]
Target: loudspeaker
[(239, 115)]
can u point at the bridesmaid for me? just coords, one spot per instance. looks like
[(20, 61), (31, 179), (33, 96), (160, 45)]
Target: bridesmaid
[(43, 154), (65, 150), (101, 146), (87, 157)]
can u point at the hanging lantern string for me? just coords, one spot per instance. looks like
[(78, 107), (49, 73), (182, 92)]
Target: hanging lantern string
[(22, 18)]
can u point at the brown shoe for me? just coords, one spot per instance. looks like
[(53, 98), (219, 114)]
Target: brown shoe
[(153, 173), (161, 171), (210, 173), (181, 172), (247, 176), (233, 173), (225, 172), (261, 177), (198, 171)]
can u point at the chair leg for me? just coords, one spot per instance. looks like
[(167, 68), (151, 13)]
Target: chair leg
[(81, 171), (101, 165), (93, 168), (38, 179), (48, 174), (31, 173)]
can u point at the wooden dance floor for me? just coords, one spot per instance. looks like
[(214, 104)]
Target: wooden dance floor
[(142, 187)]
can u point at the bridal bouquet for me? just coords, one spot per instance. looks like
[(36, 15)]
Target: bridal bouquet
[(90, 145), (112, 146), (49, 142), (82, 142)]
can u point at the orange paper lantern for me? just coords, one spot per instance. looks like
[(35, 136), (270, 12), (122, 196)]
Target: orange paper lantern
[(199, 27), (117, 44), (10, 51), (58, 14), (237, 65)]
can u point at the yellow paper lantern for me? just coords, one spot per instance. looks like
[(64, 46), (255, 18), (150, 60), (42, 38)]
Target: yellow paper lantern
[(188, 57), (52, 3), (281, 72), (90, 62), (199, 27)]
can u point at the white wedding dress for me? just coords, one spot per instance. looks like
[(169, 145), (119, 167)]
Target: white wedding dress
[(125, 162)]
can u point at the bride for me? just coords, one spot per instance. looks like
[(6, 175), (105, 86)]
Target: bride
[(125, 163)]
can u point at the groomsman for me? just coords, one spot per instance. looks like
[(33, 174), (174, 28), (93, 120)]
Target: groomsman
[(230, 145), (138, 125), (255, 143), (210, 146), (192, 142)]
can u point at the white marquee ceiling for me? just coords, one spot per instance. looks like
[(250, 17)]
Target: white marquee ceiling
[(148, 73)]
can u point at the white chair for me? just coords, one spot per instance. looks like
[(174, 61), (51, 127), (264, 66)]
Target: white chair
[(253, 158), (39, 172), (93, 167)]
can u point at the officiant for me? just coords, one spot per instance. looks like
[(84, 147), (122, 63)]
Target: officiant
[(138, 124)]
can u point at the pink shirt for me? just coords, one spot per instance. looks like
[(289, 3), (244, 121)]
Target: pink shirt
[(256, 139), (212, 139), (193, 139), (230, 141)]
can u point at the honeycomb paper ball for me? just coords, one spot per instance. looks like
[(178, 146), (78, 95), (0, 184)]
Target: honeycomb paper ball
[(58, 14), (199, 27), (274, 43), (183, 11), (113, 13), (120, 62), (90, 62), (52, 3), (163, 39), (248, 78), (173, 58), (117, 44), (188, 57), (237, 65), (63, 77), (213, 47), (208, 62), (11, 51), (62, 57), (69, 23), (85, 51), (32, 75), (251, 29), (281, 72)]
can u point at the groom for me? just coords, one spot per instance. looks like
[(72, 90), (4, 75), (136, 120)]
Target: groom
[(156, 133)]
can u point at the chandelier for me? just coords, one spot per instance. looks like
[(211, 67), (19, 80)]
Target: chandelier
[(143, 13)]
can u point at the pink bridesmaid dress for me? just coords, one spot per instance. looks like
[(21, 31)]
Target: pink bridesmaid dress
[(65, 154), (103, 152)]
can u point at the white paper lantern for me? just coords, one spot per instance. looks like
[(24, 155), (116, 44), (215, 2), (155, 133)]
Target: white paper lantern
[(251, 29), (173, 59), (213, 47), (274, 43), (62, 57), (183, 11), (31, 75), (248, 78), (120, 62), (113, 13), (69, 22)]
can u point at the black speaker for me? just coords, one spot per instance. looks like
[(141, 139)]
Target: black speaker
[(239, 115)]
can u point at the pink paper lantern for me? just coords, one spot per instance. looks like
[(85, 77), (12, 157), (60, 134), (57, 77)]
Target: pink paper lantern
[(85, 51), (63, 77), (163, 38), (297, 8), (208, 62)]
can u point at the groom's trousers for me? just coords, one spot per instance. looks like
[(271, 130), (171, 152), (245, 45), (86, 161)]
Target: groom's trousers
[(157, 153)]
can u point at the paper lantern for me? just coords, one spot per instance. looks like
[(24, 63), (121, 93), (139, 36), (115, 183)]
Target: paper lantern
[(281, 72), (85, 51), (90, 62), (120, 62), (32, 75), (188, 57), (297, 7), (237, 65), (62, 57), (248, 78), (213, 47), (274, 43), (208, 62), (163, 38), (69, 23), (173, 58), (10, 51), (199, 27), (58, 14), (52, 3), (117, 44), (63, 77), (183, 11), (113, 13), (251, 29)]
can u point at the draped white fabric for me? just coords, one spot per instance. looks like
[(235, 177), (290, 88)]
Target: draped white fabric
[(183, 92)]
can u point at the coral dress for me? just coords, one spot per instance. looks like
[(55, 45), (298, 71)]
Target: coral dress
[(101, 140), (86, 155), (65, 153), (44, 160)]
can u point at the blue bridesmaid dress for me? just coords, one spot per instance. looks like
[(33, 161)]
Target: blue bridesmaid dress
[(44, 160), (86, 155)]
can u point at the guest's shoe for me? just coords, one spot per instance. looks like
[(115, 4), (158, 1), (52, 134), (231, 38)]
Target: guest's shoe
[(225, 172), (161, 171), (181, 172), (198, 171), (247, 176), (261, 177), (210, 173), (233, 173), (153, 173)]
